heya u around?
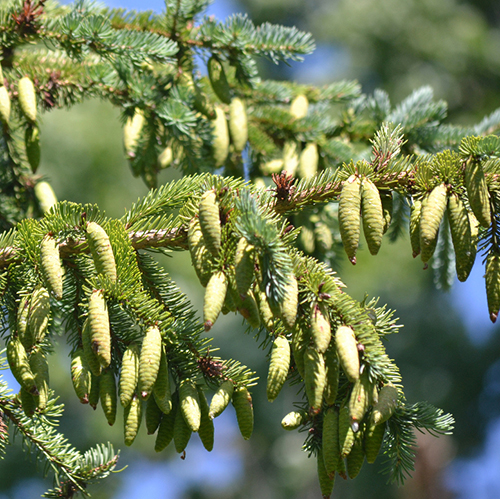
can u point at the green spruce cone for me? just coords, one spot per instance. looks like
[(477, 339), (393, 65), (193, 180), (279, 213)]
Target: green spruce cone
[(346, 434), (355, 458), (27, 98), (4, 106), (132, 418), (373, 215), (308, 161), (218, 80), (415, 214), (465, 247), (149, 361), (94, 392), (299, 106), (477, 192), (19, 365), (40, 369), (189, 404), (249, 309), (242, 402), (288, 307), (386, 198), (349, 219), (238, 124), (45, 196), (153, 415), (132, 133), (89, 355), (129, 374), (320, 330), (80, 375), (315, 378), (206, 430), (279, 365), (359, 400), (99, 328), (244, 266), (22, 321), (50, 262), (326, 482), (201, 258), (430, 219), (373, 438), (210, 222), (101, 251), (165, 431), (221, 399), (492, 279), (215, 294), (265, 312), (347, 350), (28, 402), (161, 389), (220, 144), (182, 432), (107, 395), (39, 315), (386, 405), (330, 441), (332, 376), (294, 420)]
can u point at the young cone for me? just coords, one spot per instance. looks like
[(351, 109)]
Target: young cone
[(102, 253), (373, 215), (315, 378), (107, 394), (293, 420), (278, 367), (238, 124), (80, 376), (40, 369), (221, 399), (465, 247), (386, 405), (50, 262), (477, 192), (210, 222), (320, 330), (149, 361), (129, 374), (492, 278), (415, 213), (347, 350), (189, 404), (218, 80), (132, 417), (326, 481), (206, 430), (19, 365), (349, 220), (242, 402), (27, 98), (430, 219), (215, 295), (299, 106), (99, 329), (220, 143)]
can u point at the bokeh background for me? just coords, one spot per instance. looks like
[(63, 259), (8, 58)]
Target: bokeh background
[(448, 351)]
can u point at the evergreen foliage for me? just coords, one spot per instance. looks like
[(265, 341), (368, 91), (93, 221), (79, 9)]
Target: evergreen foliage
[(259, 206)]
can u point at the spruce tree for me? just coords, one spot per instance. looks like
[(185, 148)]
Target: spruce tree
[(279, 179)]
